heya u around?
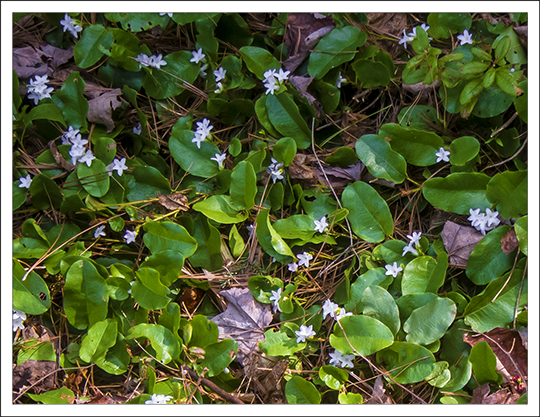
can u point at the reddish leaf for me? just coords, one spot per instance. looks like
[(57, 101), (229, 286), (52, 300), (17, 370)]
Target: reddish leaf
[(509, 243)]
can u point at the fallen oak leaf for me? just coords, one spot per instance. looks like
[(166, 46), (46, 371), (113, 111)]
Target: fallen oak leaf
[(100, 108), (459, 242)]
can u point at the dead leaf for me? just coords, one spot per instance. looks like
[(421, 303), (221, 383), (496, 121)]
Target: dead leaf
[(27, 62), (301, 83), (298, 168), (378, 395), (191, 297), (100, 108), (56, 56), (32, 372), (175, 201), (337, 176), (459, 242), (244, 320), (481, 395), (509, 242), (355, 125)]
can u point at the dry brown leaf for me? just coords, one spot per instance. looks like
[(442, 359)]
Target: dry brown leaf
[(175, 201), (509, 242), (100, 108), (378, 395), (301, 83), (459, 242), (32, 372), (481, 395), (337, 176), (27, 62), (298, 169), (56, 56)]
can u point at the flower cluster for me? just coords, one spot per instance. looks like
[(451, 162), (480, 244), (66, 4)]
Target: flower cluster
[(150, 61), (25, 181), (202, 132), (484, 222), (18, 318), (333, 310), (78, 152), (275, 170), (38, 90), (414, 239), (442, 155), (303, 259), (304, 333), (198, 56), (158, 399), (409, 37), (274, 79), (118, 165), (69, 24), (339, 359), (220, 75)]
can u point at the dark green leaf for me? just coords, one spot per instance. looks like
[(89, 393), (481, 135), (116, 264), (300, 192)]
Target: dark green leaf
[(163, 341), (380, 159), (87, 50), (300, 391), (508, 190)]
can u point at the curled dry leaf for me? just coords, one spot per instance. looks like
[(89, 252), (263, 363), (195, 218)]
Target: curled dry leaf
[(459, 242), (509, 242), (100, 108), (481, 395)]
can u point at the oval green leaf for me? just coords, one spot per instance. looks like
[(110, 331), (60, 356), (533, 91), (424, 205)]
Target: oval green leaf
[(166, 235), (148, 291), (300, 391), (422, 275), (429, 323), (521, 227), (366, 334), (409, 362), (379, 304), (333, 377), (192, 159), (218, 356), (508, 190), (94, 178), (163, 341), (26, 294), (243, 186), (380, 159), (86, 51), (463, 149), (101, 336), (285, 116), (221, 209)]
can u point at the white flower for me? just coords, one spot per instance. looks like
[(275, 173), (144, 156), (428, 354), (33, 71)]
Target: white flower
[(475, 217), (483, 222), (409, 248), (340, 80), (271, 86), (442, 155), (37, 89), (219, 159), (198, 56), (25, 181), (276, 296), (425, 27), (202, 70), (274, 166), (393, 269), (282, 75), (198, 139), (304, 332), (329, 308), (168, 14), (415, 238), (321, 225), (304, 259), (70, 134), (491, 217), (158, 399), (119, 165), (99, 231), (143, 59), (76, 152), (156, 61), (318, 16), (39, 81), (18, 318), (338, 359), (219, 88), (413, 33), (220, 74), (137, 129), (269, 74), (204, 128), (250, 228), (404, 40), (130, 236), (292, 267), (465, 38), (276, 175), (69, 24), (78, 141), (342, 313), (88, 158)]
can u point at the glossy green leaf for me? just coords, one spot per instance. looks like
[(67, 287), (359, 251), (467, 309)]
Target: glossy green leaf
[(421, 275), (258, 60), (491, 102), (366, 334), (371, 277), (205, 36), (285, 116), (463, 149), (236, 242), (285, 150), (218, 356), (71, 100), (279, 344), (380, 305), (484, 364), (168, 263), (487, 260), (101, 336), (300, 226), (300, 391), (521, 227), (221, 209), (86, 295), (508, 45), (235, 147), (162, 340), (440, 375), (117, 358), (369, 214), (417, 146), (262, 115), (409, 362), (333, 377), (118, 288), (125, 47), (429, 323), (34, 350), (26, 294), (86, 50), (19, 195), (243, 186), (166, 235), (146, 182), (136, 22), (57, 396), (270, 240), (334, 49), (443, 24), (94, 178), (508, 190), (148, 291), (350, 398), (45, 192), (380, 159), (47, 111), (205, 332), (458, 192), (192, 159), (453, 348), (208, 253)]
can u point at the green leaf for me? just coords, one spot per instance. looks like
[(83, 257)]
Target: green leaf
[(369, 214), (168, 263), (19, 195), (86, 295), (192, 159), (284, 150), (409, 362), (235, 147), (47, 111), (458, 192), (521, 227), (285, 117), (136, 22), (87, 50), (148, 291), (101, 336), (371, 277), (146, 182), (417, 146), (221, 209), (205, 36), (380, 159), (492, 101), (218, 356), (471, 90), (261, 287), (350, 398), (26, 294), (297, 226), (117, 359), (487, 260), (205, 332), (208, 253), (261, 110), (334, 49), (422, 275), (258, 60), (429, 323), (45, 193), (236, 242), (34, 350), (300, 391), (71, 100), (333, 377), (443, 24), (484, 364), (243, 186), (371, 74), (270, 240), (57, 396), (166, 235), (508, 190), (419, 117), (463, 150), (379, 304), (366, 334), (460, 375), (94, 178), (162, 340), (279, 344), (521, 102), (440, 375)]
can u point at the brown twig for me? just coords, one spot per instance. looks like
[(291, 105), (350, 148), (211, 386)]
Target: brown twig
[(219, 391)]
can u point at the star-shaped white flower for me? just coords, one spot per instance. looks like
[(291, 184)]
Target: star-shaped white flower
[(414, 238), (158, 399), (475, 217), (342, 313), (69, 24), (25, 181), (220, 74), (465, 38), (77, 140), (157, 61), (304, 259), (276, 296), (292, 266), (491, 217), (137, 129), (204, 128), (404, 39), (130, 236), (198, 139), (219, 159), (71, 133), (304, 332), (442, 155), (18, 318), (76, 152), (338, 359), (119, 165), (393, 269), (168, 14), (219, 88), (409, 248), (198, 56), (87, 158), (276, 175), (321, 225), (282, 75), (271, 86), (274, 166), (329, 308), (99, 231), (143, 59), (38, 92), (270, 74)]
